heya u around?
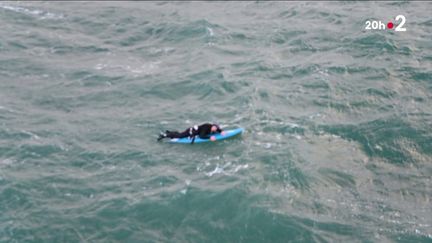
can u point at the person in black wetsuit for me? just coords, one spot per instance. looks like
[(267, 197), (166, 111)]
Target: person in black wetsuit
[(204, 131)]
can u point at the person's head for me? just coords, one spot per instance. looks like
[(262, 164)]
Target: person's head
[(215, 128)]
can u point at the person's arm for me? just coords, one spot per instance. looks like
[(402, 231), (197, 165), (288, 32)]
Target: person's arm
[(222, 132), (204, 134), (204, 131)]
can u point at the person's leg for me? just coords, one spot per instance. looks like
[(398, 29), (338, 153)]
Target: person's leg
[(172, 134), (168, 134), (175, 134), (183, 134)]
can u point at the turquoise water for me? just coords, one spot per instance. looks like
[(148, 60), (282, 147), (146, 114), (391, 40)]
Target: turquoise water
[(338, 140)]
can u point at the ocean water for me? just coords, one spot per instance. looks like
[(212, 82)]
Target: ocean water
[(338, 119)]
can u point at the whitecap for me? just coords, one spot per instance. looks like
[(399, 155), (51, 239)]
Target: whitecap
[(210, 31), (7, 162), (100, 66), (216, 170), (35, 12), (240, 167), (6, 109), (32, 135), (187, 182)]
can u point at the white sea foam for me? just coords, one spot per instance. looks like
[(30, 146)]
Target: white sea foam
[(210, 31), (7, 162), (32, 12), (240, 167), (216, 170), (227, 169)]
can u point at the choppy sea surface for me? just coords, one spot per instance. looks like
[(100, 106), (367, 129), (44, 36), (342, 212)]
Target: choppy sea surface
[(338, 119)]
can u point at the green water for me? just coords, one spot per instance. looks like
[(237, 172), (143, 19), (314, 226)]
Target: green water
[(338, 140)]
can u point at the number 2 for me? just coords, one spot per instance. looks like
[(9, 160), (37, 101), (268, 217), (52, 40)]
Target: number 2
[(368, 25), (399, 27)]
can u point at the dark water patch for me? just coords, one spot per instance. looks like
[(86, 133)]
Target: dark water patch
[(281, 37), (369, 70), (340, 178), (238, 36), (170, 32), (427, 23), (93, 156), (69, 49), (303, 71), (370, 73), (168, 92), (317, 84), (262, 67), (285, 173), (14, 197), (88, 25), (162, 181), (337, 69), (209, 75), (203, 85), (145, 33), (382, 92), (78, 75), (16, 46), (404, 50), (102, 135), (133, 155), (6, 151), (288, 13), (320, 208), (416, 74), (14, 135), (377, 76), (410, 237), (38, 151), (423, 76), (207, 222), (301, 45), (281, 76), (91, 49), (91, 79), (227, 86), (195, 29), (57, 103), (360, 104), (17, 16), (62, 49), (263, 94), (22, 67), (391, 139), (101, 99), (338, 106), (32, 153), (245, 64), (371, 44), (230, 51)]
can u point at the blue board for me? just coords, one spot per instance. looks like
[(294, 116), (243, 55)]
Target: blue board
[(218, 136)]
